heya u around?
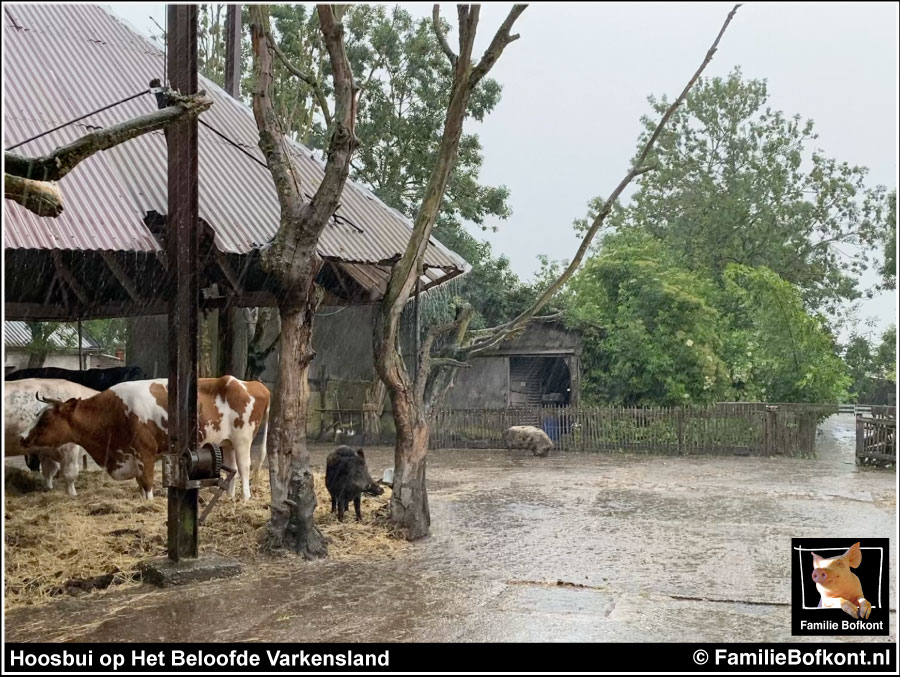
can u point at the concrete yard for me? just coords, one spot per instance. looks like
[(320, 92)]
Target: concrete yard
[(574, 547)]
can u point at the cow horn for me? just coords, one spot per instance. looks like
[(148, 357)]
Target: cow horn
[(47, 400)]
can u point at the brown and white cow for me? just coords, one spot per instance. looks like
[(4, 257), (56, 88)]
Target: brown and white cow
[(21, 409), (125, 428)]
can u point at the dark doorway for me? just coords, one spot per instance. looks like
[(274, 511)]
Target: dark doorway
[(537, 381)]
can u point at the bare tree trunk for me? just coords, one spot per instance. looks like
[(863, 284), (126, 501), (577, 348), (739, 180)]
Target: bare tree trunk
[(291, 258), (409, 504), (414, 406), (293, 491)]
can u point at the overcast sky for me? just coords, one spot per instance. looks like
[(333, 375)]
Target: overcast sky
[(575, 86)]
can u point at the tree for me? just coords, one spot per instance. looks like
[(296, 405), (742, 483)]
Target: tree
[(413, 398), (741, 183), (44, 337), (651, 334), (889, 261), (787, 354), (292, 260)]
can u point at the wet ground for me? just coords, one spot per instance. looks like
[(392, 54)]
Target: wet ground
[(574, 547)]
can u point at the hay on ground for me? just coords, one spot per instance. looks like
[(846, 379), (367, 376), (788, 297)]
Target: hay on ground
[(56, 544)]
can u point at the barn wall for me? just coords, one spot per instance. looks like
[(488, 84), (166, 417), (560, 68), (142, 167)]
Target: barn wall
[(541, 338), (18, 359), (483, 386)]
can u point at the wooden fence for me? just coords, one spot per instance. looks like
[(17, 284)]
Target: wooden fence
[(876, 436), (739, 428)]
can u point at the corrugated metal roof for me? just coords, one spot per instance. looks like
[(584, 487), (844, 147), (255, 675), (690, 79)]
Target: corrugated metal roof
[(63, 61), (17, 335)]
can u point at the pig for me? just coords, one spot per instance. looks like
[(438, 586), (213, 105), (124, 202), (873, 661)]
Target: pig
[(528, 437), (839, 586), (347, 478)]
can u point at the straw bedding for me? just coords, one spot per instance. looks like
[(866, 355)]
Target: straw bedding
[(60, 545)]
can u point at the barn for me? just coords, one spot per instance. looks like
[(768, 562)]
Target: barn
[(104, 256)]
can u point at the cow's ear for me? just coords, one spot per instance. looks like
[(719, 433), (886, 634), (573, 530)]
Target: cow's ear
[(70, 404), (853, 555), (359, 452)]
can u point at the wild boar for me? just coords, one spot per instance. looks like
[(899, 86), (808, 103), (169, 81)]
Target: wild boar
[(838, 586), (347, 478), (529, 438)]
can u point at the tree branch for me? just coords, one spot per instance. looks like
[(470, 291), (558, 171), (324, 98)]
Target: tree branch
[(439, 33), (64, 159), (501, 39), (638, 168), (305, 77), (26, 180), (41, 197)]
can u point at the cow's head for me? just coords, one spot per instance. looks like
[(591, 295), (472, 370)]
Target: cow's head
[(53, 426)]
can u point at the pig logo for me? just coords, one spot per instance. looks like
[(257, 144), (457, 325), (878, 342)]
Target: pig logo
[(838, 586)]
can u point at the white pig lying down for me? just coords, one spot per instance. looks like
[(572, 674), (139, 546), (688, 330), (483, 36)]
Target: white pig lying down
[(21, 408)]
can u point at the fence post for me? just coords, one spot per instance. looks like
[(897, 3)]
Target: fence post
[(679, 413), (860, 437), (771, 429)]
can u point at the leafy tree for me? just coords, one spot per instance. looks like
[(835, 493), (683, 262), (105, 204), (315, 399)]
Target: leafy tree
[(109, 334), (651, 336), (872, 368), (783, 353), (889, 263), (43, 341), (405, 82), (741, 183)]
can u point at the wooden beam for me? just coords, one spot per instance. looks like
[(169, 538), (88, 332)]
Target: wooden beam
[(121, 276), (69, 278), (227, 271), (42, 312)]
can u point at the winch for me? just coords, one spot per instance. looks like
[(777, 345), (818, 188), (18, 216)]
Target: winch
[(198, 468)]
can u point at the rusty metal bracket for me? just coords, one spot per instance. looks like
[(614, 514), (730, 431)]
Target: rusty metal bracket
[(221, 483)]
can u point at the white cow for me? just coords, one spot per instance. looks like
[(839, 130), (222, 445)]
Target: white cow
[(21, 409)]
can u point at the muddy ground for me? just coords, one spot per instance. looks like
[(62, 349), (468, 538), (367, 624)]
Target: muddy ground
[(574, 547)]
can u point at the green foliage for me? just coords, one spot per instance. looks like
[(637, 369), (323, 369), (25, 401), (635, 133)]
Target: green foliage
[(738, 182), (42, 343), (889, 263), (109, 334), (777, 350), (650, 335), (404, 81), (873, 369)]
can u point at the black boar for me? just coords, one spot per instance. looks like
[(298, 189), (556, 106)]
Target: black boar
[(347, 478)]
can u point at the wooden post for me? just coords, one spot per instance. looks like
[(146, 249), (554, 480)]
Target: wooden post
[(233, 51), (80, 344), (860, 437), (771, 429), (182, 244)]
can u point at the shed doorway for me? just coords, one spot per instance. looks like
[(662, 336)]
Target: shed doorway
[(539, 381)]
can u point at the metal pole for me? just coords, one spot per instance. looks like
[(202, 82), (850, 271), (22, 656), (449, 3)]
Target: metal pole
[(182, 244)]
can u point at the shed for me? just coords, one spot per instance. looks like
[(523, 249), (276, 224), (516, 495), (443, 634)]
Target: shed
[(540, 367)]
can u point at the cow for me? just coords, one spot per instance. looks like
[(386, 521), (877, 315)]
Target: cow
[(21, 408), (98, 379), (125, 428)]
